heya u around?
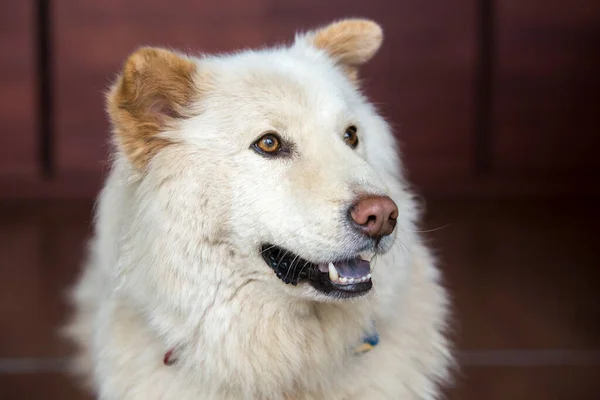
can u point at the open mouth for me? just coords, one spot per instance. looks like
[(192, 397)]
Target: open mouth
[(341, 278)]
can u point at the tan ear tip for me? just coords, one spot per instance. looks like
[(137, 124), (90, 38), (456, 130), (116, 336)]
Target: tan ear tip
[(363, 26), (373, 32), (376, 31), (368, 25), (139, 58)]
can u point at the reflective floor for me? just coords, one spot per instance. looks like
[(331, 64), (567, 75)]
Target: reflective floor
[(523, 275)]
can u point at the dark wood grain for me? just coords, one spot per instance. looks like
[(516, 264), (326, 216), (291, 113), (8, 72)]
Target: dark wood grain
[(495, 383), (547, 89), (40, 386), (527, 383), (42, 251), (18, 141), (521, 273)]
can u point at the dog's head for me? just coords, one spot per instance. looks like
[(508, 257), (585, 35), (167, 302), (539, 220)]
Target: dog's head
[(274, 152)]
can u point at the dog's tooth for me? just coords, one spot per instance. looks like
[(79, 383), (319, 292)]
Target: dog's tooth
[(350, 280), (369, 276), (333, 274), (343, 279)]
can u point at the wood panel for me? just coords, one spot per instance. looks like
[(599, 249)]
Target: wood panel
[(563, 382), (547, 88), (520, 272), (482, 383), (17, 99), (422, 78), (47, 385), (35, 270)]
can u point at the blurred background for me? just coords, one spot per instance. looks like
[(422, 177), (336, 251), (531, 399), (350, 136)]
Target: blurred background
[(496, 104)]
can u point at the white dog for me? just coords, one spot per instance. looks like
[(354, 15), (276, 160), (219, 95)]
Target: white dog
[(255, 238)]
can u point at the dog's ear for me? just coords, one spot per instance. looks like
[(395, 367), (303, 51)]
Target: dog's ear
[(154, 92), (350, 42)]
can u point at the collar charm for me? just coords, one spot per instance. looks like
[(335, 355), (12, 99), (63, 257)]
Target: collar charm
[(368, 343)]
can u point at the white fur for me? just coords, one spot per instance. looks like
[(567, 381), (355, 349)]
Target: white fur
[(174, 262)]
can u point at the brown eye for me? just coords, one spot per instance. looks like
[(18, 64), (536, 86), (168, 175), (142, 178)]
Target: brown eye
[(350, 137), (269, 144)]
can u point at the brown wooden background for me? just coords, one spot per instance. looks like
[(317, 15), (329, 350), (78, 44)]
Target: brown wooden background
[(487, 97)]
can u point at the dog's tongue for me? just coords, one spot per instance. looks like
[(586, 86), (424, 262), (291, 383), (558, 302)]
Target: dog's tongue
[(354, 268)]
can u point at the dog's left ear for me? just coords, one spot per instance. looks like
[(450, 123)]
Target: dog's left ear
[(154, 93), (350, 42)]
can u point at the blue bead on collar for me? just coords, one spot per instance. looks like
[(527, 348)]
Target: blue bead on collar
[(368, 343)]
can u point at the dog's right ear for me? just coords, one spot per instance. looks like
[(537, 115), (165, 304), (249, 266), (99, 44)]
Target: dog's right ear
[(349, 42), (155, 91)]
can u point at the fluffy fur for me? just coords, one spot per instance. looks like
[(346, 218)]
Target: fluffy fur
[(174, 262)]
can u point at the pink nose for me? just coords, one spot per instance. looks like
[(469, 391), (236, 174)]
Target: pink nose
[(375, 215)]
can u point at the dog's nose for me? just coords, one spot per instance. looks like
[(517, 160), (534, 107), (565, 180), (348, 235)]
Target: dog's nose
[(375, 215)]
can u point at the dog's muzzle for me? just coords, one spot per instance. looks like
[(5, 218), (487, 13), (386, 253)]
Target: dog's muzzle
[(343, 278)]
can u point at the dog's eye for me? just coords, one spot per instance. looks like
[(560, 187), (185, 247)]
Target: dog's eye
[(269, 144), (350, 137)]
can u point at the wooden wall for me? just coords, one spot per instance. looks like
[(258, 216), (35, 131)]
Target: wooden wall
[(486, 97), (18, 113)]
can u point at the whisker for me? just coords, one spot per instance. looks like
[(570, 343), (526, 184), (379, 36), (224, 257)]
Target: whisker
[(404, 248), (372, 262), (434, 229), (302, 269), (282, 257), (291, 267), (296, 266), (279, 262), (267, 249)]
